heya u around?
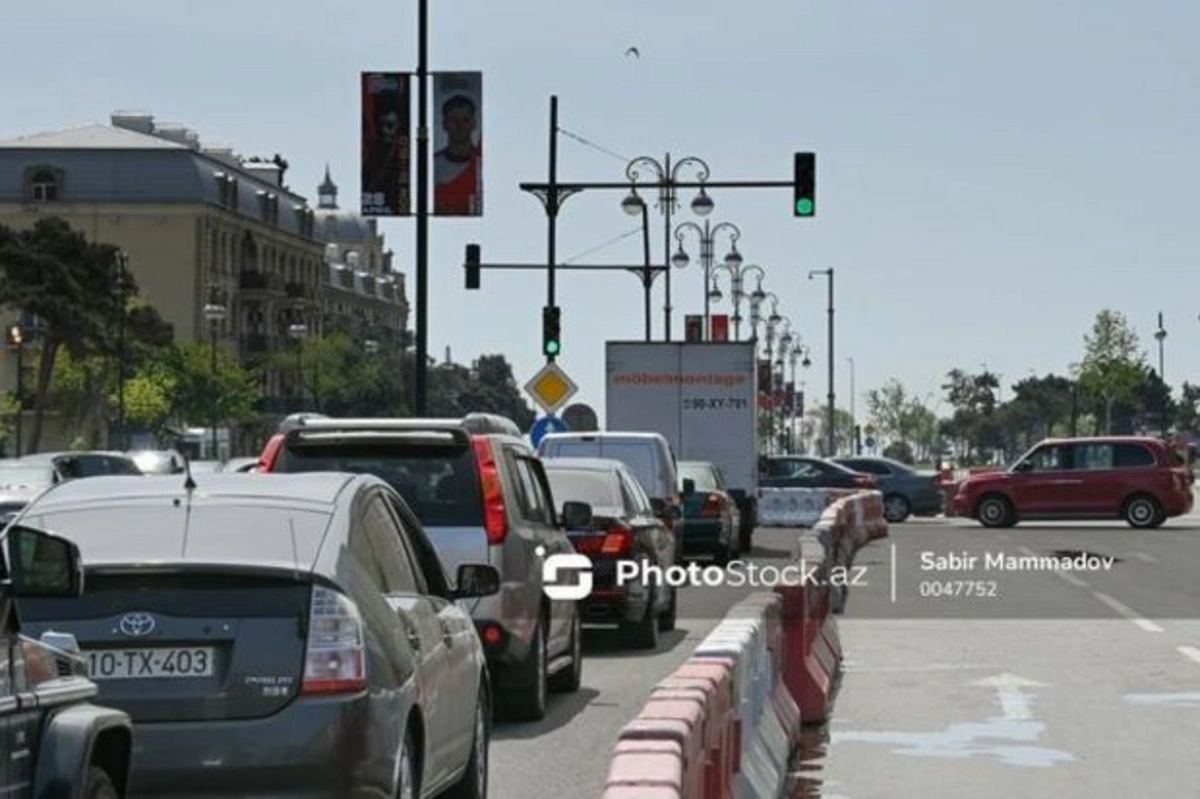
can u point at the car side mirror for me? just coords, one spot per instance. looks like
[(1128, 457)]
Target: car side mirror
[(477, 580), (43, 565), (576, 515), (689, 486)]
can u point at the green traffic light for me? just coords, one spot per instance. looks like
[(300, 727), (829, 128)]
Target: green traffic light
[(552, 348), (804, 206)]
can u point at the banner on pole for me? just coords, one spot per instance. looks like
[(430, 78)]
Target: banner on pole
[(458, 144), (386, 144)]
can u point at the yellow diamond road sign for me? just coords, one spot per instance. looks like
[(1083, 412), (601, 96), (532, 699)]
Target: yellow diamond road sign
[(551, 388)]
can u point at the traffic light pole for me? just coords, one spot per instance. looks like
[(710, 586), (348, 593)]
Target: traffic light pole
[(422, 355), (552, 212)]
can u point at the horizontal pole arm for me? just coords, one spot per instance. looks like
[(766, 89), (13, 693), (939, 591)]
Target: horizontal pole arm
[(578, 267), (710, 184)]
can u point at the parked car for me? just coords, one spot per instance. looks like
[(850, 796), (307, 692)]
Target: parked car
[(1140, 480), (804, 471), (711, 519), (298, 630), (22, 479), (905, 490), (617, 524), (648, 456), (483, 497), (53, 740), (73, 465)]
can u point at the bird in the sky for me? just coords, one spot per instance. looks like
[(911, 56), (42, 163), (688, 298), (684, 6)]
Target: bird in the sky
[(633, 51)]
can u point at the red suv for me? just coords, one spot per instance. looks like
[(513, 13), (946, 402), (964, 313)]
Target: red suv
[(1141, 480)]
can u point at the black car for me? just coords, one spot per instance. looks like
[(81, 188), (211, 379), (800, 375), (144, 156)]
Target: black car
[(53, 740), (804, 471)]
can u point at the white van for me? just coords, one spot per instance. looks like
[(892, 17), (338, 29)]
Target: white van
[(648, 456)]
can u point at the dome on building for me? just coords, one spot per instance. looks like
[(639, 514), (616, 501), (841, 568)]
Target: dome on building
[(330, 223)]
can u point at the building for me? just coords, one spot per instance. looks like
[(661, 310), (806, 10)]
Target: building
[(202, 225), (362, 296)]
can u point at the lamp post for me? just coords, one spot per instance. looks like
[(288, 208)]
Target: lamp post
[(737, 275), (668, 175), (15, 338), (214, 313), (853, 411), (121, 264), (707, 235), (1161, 335), (297, 332), (786, 342), (832, 432)]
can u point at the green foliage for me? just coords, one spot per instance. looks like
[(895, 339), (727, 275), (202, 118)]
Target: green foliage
[(900, 451), (198, 396), (1112, 369), (148, 398)]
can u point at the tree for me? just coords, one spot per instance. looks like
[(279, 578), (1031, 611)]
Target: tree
[(74, 286), (148, 399), (900, 451), (195, 393), (79, 389), (1187, 419), (843, 431), (889, 408), (1112, 367)]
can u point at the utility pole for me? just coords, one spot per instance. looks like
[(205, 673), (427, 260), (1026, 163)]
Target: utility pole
[(422, 356), (832, 410)]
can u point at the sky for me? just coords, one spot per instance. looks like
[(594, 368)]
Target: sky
[(989, 175)]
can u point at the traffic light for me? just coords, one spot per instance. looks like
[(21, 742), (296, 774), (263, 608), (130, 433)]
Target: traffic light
[(551, 331), (472, 266), (805, 201)]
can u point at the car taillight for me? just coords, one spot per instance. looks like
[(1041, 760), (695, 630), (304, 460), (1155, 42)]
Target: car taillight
[(495, 516), (713, 505), (335, 660), (618, 540), (270, 453)]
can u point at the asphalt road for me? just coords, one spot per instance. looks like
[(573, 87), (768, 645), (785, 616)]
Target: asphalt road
[(567, 753), (1069, 683)]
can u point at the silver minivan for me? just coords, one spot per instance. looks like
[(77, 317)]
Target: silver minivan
[(648, 455), (482, 496)]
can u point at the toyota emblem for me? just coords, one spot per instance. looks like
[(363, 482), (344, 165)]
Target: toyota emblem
[(136, 624)]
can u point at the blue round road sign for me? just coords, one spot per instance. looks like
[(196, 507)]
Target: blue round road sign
[(544, 425)]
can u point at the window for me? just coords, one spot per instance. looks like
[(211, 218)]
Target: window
[(701, 474), (421, 550), (1126, 456), (43, 186), (1052, 458), (1094, 457), (396, 570), (641, 502), (599, 489), (868, 467), (535, 504)]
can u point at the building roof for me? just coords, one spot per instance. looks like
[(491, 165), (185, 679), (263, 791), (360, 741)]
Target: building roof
[(91, 137), (342, 227)]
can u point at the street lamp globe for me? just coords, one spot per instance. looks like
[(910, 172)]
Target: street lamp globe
[(680, 259), (758, 295), (702, 204), (214, 312), (715, 293), (734, 259), (775, 318), (297, 331), (786, 340), (371, 346), (632, 204), (807, 362)]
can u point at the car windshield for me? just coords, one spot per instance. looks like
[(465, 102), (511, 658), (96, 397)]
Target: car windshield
[(700, 473), (439, 483), (638, 456), (599, 489)]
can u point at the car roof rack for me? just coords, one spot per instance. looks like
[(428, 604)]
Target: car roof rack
[(473, 423)]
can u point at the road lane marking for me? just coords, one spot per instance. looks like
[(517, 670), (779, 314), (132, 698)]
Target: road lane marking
[(1128, 612), (1142, 556), (1190, 652), (1066, 577)]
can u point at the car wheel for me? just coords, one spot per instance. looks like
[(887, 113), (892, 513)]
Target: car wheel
[(528, 703), (99, 785), (643, 634), (896, 508), (1143, 512), (568, 680), (745, 539), (995, 511), (473, 784), (406, 784), (666, 622)]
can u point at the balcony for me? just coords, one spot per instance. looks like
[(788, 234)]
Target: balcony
[(252, 280)]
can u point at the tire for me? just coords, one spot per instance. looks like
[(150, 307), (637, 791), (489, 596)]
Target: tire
[(896, 508), (642, 634), (745, 539), (1143, 512), (474, 782), (723, 554), (666, 622), (408, 785), (568, 681), (528, 703), (99, 785), (995, 510)]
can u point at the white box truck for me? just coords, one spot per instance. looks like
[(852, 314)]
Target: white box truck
[(702, 396)]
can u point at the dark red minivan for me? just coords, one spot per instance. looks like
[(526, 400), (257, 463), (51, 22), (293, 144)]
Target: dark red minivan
[(1142, 480)]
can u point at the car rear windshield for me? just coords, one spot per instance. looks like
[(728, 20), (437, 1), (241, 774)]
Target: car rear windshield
[(438, 482), (598, 489), (638, 456), (701, 474), (99, 466)]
